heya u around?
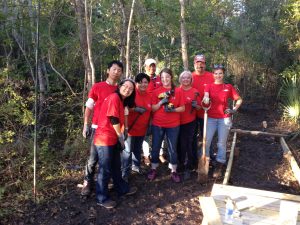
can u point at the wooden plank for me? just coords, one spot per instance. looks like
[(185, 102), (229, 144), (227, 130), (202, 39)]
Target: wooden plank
[(288, 213), (256, 133), (291, 159), (229, 165), (210, 211), (218, 189)]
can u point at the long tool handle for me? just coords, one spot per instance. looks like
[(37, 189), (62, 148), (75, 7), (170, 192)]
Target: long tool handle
[(204, 133)]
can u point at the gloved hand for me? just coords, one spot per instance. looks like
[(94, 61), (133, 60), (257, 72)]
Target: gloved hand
[(122, 141), (86, 130), (206, 100), (163, 101), (194, 104), (168, 109), (125, 133), (230, 111), (140, 110)]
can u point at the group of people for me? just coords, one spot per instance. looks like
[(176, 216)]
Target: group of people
[(125, 114)]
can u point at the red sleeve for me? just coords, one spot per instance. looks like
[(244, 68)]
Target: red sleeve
[(234, 94), (114, 107)]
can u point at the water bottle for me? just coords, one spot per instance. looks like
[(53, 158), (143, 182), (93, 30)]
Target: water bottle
[(229, 211)]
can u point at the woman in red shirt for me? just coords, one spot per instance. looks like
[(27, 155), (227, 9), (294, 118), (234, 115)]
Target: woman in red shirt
[(138, 121), (186, 158), (107, 136), (219, 114), (167, 103)]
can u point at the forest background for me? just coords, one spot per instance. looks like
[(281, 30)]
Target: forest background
[(52, 51)]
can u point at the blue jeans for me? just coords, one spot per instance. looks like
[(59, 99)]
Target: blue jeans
[(158, 134), (223, 126), (90, 167), (109, 167), (185, 145), (131, 154)]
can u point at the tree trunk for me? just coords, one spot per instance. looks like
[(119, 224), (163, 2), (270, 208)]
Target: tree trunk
[(80, 16), (128, 41), (183, 36), (123, 31)]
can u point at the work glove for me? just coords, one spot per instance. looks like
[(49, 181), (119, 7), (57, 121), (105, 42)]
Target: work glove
[(163, 101), (86, 131), (194, 104), (206, 100), (168, 109), (140, 110), (125, 134), (122, 141), (230, 111)]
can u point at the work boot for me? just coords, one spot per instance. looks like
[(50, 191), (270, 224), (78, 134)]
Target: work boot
[(108, 204), (218, 170), (86, 189)]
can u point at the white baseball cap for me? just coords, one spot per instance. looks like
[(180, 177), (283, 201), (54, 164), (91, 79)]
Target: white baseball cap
[(148, 62)]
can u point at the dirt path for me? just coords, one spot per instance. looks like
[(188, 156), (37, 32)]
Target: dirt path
[(260, 165)]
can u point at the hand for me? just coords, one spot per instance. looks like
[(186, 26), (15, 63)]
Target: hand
[(140, 110), (125, 134), (86, 130), (163, 101), (194, 104), (206, 100), (230, 111), (169, 109), (122, 141)]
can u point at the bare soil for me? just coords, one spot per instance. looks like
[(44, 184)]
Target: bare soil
[(260, 164)]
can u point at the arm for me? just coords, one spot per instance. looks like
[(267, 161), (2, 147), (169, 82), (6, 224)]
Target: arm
[(238, 104), (87, 116)]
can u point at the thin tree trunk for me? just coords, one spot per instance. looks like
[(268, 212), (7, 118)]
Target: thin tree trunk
[(139, 43), (123, 31), (128, 40), (183, 36)]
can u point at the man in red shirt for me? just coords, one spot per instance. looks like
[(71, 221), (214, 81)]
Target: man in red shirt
[(201, 77), (96, 96)]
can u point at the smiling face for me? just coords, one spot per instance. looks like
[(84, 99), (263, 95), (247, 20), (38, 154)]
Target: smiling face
[(166, 80), (199, 67), (150, 70), (186, 79), (218, 76), (126, 89), (142, 85)]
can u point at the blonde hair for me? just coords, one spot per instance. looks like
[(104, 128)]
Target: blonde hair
[(183, 73)]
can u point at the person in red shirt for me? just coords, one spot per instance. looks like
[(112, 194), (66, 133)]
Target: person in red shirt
[(155, 82), (219, 114), (96, 96), (167, 104), (109, 142), (187, 123), (201, 77), (138, 121)]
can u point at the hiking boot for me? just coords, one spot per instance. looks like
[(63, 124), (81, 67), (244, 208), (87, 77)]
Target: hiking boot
[(147, 160), (218, 170), (175, 177), (137, 170), (131, 191), (162, 159), (108, 204), (187, 175), (152, 174), (86, 189)]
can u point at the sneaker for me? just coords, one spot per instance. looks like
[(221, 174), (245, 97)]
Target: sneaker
[(86, 189), (152, 174), (137, 170), (175, 177), (162, 159), (218, 170), (131, 191), (147, 160), (126, 179), (108, 204)]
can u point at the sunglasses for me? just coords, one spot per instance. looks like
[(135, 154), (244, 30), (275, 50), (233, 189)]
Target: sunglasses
[(219, 66)]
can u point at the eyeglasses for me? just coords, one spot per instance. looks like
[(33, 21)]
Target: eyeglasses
[(219, 66)]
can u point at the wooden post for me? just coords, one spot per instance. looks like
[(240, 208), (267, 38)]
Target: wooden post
[(229, 165)]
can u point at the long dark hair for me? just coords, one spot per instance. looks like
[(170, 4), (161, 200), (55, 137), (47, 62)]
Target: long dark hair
[(128, 101), (169, 71)]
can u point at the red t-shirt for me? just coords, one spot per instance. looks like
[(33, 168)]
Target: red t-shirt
[(98, 93), (199, 82), (154, 83), (219, 95), (142, 121), (189, 114), (167, 119), (105, 133)]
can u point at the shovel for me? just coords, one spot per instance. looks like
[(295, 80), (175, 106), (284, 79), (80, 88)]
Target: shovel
[(203, 163)]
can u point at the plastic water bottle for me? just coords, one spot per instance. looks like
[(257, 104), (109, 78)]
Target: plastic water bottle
[(229, 211)]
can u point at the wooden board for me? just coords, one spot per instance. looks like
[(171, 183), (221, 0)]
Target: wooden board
[(256, 133), (258, 206), (210, 212)]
